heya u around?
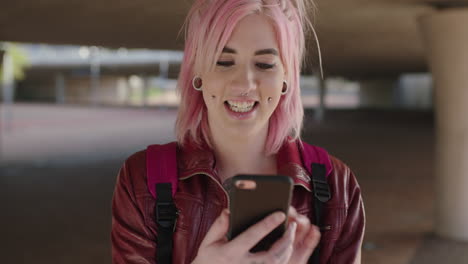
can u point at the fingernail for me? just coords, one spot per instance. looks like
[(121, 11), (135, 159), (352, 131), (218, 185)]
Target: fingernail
[(292, 209), (293, 227)]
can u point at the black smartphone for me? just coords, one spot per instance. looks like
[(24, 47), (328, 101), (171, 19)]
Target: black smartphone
[(252, 198)]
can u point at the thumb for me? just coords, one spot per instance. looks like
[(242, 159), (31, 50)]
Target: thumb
[(218, 229)]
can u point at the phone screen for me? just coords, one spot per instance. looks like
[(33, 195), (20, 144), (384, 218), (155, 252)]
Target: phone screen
[(252, 198)]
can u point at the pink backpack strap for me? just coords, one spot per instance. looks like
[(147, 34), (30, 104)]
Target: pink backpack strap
[(313, 154), (161, 166)]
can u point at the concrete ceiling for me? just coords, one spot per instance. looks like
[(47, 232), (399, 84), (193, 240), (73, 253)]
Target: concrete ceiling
[(359, 38)]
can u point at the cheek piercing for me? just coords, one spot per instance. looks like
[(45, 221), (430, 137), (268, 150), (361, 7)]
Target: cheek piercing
[(269, 99)]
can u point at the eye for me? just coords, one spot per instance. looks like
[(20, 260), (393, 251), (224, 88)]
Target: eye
[(265, 66), (225, 63)]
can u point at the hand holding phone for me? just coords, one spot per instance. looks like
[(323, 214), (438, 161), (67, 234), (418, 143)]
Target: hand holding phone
[(295, 246), (215, 248), (252, 198)]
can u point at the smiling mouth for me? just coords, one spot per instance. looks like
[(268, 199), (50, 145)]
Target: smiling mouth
[(241, 107)]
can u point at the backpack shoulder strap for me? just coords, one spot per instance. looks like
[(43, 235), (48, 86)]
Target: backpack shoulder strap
[(162, 179), (161, 166), (313, 154), (318, 163)]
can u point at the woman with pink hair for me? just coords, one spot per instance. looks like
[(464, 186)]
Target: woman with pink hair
[(240, 113)]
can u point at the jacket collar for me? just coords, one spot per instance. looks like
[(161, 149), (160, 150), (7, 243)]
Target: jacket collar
[(289, 163), (192, 160)]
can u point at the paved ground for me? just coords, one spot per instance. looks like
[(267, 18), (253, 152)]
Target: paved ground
[(59, 166)]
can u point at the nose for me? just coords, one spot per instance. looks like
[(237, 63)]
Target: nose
[(244, 81)]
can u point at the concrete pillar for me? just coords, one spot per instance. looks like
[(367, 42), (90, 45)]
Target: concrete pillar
[(445, 35), (8, 91), (95, 77), (60, 88), (130, 91), (379, 93), (414, 91), (163, 76), (145, 92), (164, 69), (122, 90), (2, 52)]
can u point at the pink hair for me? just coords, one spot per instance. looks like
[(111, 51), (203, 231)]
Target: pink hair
[(209, 25)]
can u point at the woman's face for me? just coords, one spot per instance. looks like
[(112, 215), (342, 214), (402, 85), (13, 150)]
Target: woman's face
[(244, 89)]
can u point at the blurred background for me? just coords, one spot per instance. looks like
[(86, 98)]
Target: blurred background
[(84, 84)]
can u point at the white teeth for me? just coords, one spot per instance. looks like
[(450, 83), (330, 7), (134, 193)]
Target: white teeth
[(240, 106)]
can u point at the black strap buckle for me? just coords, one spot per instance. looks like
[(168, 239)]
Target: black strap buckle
[(166, 214), (321, 190)]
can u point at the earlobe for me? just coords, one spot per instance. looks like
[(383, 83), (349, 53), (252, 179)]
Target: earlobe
[(197, 83), (285, 88)]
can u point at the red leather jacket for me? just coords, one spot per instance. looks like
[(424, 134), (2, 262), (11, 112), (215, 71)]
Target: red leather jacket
[(200, 199)]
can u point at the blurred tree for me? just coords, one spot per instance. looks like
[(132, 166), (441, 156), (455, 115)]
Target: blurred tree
[(20, 60)]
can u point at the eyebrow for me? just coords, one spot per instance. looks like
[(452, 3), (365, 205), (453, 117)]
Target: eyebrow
[(258, 52)]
